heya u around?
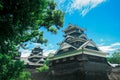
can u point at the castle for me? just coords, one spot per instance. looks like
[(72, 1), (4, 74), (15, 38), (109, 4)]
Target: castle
[(78, 58)]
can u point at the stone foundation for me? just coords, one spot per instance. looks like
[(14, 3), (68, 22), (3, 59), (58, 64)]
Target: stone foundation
[(113, 75)]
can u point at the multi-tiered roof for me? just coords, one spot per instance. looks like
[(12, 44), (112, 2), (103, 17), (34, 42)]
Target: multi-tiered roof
[(36, 58), (76, 43), (78, 57)]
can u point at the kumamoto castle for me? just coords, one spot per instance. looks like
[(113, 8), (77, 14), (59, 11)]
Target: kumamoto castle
[(78, 58)]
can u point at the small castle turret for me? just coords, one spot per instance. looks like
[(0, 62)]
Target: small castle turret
[(36, 58)]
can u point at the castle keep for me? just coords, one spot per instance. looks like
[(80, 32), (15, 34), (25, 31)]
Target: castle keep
[(78, 58)]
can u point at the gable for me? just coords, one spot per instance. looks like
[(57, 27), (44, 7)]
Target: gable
[(91, 46), (66, 45)]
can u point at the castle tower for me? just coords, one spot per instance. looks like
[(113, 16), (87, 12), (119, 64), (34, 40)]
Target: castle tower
[(78, 55), (36, 58)]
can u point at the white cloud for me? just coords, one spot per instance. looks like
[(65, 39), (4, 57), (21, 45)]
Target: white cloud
[(25, 53), (107, 48), (36, 44), (45, 53), (111, 47), (116, 44), (83, 6), (48, 46)]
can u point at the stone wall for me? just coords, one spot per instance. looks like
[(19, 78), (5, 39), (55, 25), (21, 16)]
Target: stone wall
[(115, 74), (35, 75)]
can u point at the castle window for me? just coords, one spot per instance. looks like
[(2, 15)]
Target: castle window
[(91, 47)]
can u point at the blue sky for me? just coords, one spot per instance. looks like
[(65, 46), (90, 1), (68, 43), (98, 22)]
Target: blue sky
[(100, 18)]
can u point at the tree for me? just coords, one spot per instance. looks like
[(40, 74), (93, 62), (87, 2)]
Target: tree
[(115, 58), (43, 68), (25, 75), (8, 68), (20, 21)]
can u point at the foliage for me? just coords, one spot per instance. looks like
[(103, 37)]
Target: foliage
[(8, 68), (46, 62), (115, 57), (24, 76), (21, 21), (1, 6), (43, 68)]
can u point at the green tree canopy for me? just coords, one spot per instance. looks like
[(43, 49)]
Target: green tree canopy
[(115, 58), (20, 21)]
